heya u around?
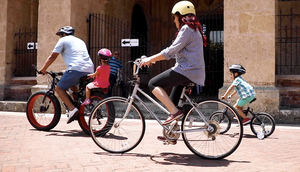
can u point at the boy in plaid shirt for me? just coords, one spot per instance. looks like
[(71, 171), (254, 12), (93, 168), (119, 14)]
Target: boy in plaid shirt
[(244, 90)]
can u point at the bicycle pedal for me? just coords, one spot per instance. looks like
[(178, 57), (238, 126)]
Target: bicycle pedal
[(169, 142), (172, 142), (165, 143)]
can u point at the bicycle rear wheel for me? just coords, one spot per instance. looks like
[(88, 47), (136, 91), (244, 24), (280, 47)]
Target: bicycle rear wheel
[(205, 140), (263, 122), (126, 131), (85, 112)]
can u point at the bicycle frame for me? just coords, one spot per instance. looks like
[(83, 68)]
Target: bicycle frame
[(134, 96)]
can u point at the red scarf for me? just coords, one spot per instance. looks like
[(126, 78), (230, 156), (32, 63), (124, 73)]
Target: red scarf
[(193, 23)]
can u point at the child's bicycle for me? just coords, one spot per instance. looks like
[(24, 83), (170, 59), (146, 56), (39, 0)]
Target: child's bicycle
[(201, 135), (43, 108), (262, 124)]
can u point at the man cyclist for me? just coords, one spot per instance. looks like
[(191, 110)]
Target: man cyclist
[(77, 60)]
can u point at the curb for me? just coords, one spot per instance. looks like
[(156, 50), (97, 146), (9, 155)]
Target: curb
[(13, 106)]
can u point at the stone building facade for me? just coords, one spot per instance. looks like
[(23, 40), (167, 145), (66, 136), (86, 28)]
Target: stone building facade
[(249, 35)]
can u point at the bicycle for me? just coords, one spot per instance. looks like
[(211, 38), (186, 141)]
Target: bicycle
[(43, 108), (199, 134), (262, 124)]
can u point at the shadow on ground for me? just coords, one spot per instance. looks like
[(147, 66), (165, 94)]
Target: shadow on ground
[(169, 158)]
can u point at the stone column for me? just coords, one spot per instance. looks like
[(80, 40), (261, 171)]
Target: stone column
[(57, 13), (52, 15), (3, 45), (249, 39)]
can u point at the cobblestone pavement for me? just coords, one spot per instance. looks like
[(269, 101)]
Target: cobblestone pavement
[(66, 148)]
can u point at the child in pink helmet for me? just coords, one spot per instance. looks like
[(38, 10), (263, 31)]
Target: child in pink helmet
[(101, 75)]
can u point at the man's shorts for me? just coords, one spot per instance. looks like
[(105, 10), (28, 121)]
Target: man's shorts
[(70, 78), (243, 102)]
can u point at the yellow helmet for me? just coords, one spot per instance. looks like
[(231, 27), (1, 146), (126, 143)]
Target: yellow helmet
[(184, 7)]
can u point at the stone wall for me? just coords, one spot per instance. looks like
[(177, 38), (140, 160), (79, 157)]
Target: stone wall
[(14, 16)]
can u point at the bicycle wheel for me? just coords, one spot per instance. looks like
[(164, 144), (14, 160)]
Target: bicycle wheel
[(223, 119), (263, 122), (43, 111), (85, 112), (202, 136), (126, 131)]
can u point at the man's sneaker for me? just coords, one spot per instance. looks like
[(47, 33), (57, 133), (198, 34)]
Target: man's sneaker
[(72, 115), (246, 121), (173, 117), (86, 102)]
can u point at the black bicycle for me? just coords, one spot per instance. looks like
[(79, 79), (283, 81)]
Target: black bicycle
[(43, 108), (262, 124)]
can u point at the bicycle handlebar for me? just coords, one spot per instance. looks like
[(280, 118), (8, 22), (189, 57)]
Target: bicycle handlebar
[(51, 73), (136, 65)]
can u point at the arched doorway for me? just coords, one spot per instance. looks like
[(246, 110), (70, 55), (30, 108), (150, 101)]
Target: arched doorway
[(138, 31)]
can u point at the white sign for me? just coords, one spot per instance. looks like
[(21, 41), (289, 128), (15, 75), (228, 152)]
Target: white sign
[(30, 45), (36, 45), (129, 42)]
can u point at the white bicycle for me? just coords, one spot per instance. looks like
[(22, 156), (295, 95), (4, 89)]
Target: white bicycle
[(200, 134)]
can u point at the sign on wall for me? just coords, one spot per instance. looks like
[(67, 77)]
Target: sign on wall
[(129, 42)]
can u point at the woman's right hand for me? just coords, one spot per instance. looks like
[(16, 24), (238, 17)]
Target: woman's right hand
[(145, 61)]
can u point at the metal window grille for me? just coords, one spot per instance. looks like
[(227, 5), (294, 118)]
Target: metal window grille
[(288, 43)]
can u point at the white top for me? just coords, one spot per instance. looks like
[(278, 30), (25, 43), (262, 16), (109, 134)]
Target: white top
[(74, 53), (187, 49)]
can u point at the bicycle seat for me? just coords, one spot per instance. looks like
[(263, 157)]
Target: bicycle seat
[(190, 84), (84, 78), (253, 100), (103, 90)]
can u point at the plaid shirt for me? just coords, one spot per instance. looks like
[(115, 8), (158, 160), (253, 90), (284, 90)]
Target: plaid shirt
[(243, 88)]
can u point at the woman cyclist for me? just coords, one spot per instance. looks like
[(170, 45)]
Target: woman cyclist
[(187, 49)]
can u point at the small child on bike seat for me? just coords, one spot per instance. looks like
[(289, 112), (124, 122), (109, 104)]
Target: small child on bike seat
[(244, 89), (101, 75)]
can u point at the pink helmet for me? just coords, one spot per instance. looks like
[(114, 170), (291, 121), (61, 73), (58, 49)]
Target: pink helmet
[(104, 53)]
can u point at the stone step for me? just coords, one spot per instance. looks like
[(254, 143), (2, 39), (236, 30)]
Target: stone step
[(13, 106), (288, 81), (289, 97), (23, 81), (17, 92), (285, 116)]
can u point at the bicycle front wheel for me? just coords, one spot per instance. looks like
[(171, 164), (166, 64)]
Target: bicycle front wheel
[(202, 135), (43, 111), (263, 122), (223, 119), (125, 133)]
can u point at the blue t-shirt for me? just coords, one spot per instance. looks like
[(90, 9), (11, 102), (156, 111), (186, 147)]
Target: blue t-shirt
[(115, 65), (74, 53), (243, 88)]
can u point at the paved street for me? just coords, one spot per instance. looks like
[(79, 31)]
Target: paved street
[(66, 148)]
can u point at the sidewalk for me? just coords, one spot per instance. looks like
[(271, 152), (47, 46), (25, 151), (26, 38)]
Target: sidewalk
[(66, 148)]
